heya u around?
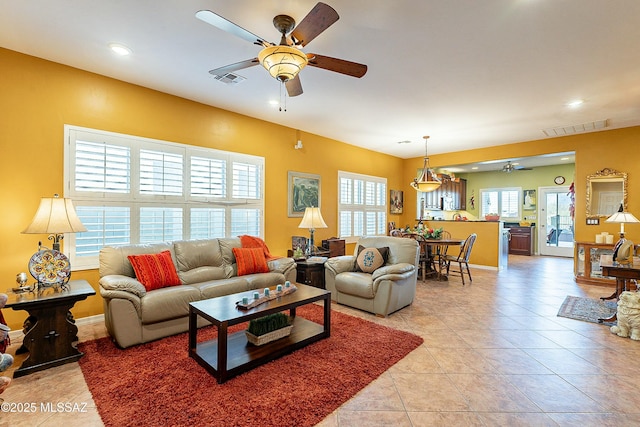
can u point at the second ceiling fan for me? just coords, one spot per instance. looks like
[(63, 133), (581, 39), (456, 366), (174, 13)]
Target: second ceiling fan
[(510, 167), (285, 60)]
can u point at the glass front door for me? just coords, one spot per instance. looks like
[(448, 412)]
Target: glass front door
[(555, 226)]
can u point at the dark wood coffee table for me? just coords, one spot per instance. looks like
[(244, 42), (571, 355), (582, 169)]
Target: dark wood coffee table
[(231, 354)]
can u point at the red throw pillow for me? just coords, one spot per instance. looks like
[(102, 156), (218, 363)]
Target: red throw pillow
[(250, 261), (155, 271)]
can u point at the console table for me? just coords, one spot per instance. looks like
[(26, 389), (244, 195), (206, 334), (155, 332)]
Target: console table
[(50, 340), (622, 273), (587, 268)]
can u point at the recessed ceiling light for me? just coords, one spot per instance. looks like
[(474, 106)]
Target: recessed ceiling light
[(274, 102), (474, 168), (564, 158), (120, 49), (575, 103)]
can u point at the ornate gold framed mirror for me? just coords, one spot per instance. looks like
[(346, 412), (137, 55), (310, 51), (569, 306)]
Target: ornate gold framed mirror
[(606, 190)]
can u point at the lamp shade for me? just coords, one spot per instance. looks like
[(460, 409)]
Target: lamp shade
[(622, 217), (312, 219), (282, 62), (55, 216)]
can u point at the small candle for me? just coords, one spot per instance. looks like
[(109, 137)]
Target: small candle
[(279, 288), (287, 284), (245, 300), (266, 292), (256, 295)]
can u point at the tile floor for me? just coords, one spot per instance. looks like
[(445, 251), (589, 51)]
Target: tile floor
[(494, 354)]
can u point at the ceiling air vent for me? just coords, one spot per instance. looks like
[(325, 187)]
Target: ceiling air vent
[(569, 130), (229, 78)]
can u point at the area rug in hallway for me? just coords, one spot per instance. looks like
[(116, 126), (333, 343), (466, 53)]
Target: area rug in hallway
[(587, 309), (159, 384)]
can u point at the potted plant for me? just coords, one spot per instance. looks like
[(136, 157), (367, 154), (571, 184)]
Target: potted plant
[(268, 328), (432, 233)]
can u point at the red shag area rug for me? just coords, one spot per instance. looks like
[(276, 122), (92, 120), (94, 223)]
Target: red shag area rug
[(157, 383)]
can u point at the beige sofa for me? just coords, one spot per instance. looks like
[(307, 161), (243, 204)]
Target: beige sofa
[(206, 268), (388, 289)]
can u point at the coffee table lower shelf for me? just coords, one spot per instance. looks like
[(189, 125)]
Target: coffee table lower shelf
[(242, 356)]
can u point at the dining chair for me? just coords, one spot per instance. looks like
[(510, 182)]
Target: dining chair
[(463, 258), (424, 259), (439, 253)]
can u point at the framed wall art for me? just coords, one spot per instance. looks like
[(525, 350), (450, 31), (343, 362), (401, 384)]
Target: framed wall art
[(303, 190), (529, 199), (396, 201)]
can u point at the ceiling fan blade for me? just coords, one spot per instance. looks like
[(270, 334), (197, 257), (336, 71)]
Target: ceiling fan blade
[(338, 65), (321, 17), (224, 24), (294, 87), (234, 67)]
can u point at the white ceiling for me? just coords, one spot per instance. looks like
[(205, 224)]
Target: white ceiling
[(468, 73)]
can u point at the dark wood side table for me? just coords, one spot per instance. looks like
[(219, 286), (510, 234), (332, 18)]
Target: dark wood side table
[(50, 341), (310, 273), (622, 273)]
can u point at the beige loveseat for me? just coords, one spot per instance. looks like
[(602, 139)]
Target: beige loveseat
[(207, 269), (387, 289)]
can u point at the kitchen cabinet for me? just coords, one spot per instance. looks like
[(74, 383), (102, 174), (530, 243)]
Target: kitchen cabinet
[(450, 195), (521, 241)]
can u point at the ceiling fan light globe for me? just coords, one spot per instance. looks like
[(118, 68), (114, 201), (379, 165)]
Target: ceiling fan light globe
[(282, 62)]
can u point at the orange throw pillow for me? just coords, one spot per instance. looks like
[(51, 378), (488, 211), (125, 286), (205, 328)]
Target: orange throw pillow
[(155, 271), (250, 261)]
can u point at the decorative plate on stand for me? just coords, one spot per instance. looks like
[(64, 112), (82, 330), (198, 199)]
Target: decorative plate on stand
[(50, 267)]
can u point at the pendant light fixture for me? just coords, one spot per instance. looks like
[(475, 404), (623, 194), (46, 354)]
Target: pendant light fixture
[(428, 181)]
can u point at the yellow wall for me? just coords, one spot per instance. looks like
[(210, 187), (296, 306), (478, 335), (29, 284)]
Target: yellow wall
[(616, 149), (40, 97)]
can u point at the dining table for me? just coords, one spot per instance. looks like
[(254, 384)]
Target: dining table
[(434, 248), (439, 248)]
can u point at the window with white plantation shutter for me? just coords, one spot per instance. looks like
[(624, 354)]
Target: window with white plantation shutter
[(246, 181), (245, 221), (131, 190), (502, 201), (362, 205), (208, 177), (159, 224), (102, 167), (208, 223), (106, 226), (160, 173)]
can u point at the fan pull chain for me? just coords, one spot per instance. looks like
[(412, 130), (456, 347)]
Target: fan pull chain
[(281, 97)]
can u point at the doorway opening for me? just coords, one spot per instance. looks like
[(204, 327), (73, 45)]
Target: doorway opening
[(555, 224)]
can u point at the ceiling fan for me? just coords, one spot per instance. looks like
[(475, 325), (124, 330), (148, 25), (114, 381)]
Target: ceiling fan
[(285, 60), (509, 167)]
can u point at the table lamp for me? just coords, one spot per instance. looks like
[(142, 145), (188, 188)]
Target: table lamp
[(55, 216), (312, 219), (623, 250)]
